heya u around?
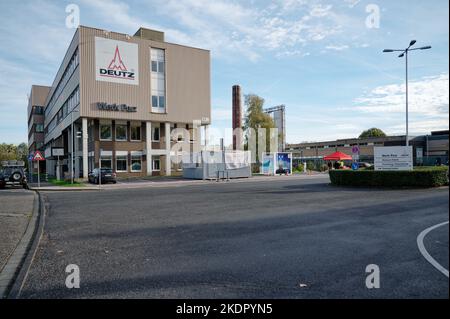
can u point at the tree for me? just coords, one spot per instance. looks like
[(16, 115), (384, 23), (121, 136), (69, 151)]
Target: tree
[(10, 152), (373, 132), (256, 118)]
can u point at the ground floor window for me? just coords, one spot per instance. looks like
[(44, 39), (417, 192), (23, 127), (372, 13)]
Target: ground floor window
[(135, 132), (105, 132), (136, 162), (121, 163), (156, 163), (106, 161)]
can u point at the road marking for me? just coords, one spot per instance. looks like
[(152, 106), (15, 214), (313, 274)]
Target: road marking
[(425, 253)]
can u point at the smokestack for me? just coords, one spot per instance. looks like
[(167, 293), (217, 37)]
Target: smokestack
[(237, 116)]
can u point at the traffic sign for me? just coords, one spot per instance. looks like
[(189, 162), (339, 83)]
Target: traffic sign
[(355, 149), (38, 156), (31, 157), (355, 166)]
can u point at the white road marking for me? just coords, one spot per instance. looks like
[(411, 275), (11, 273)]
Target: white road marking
[(425, 253)]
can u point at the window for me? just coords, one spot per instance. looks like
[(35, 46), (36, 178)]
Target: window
[(105, 132), (156, 164), (154, 101), (121, 132), (135, 133), (155, 134), (38, 110), (158, 80), (121, 162), (161, 67), (136, 161), (39, 128), (162, 102), (106, 161)]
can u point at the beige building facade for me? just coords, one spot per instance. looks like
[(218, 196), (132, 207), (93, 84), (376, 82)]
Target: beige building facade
[(119, 101)]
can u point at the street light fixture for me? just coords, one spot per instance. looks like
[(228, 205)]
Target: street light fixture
[(404, 53)]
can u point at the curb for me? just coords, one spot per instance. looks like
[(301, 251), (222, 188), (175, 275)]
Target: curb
[(65, 189), (13, 267)]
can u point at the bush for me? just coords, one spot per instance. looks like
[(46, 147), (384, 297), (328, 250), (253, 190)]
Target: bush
[(423, 177)]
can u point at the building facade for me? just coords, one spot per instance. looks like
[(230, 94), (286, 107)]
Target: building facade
[(118, 100), (427, 149)]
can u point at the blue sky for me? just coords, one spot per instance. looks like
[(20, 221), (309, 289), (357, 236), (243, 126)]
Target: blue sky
[(318, 57)]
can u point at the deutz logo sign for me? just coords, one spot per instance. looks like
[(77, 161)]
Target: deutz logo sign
[(116, 61)]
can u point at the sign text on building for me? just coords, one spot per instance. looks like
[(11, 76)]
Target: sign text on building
[(116, 107)]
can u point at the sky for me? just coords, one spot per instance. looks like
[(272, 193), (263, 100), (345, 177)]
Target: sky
[(321, 58)]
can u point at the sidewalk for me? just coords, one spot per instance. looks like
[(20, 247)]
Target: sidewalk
[(16, 210), (166, 182)]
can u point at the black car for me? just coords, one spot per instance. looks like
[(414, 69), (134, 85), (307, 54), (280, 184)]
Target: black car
[(13, 175), (108, 176)]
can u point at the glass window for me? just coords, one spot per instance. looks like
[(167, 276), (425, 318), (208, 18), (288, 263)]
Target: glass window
[(154, 66), (136, 163), (154, 101), (106, 161), (155, 134), (105, 132), (121, 163), (161, 67), (162, 102), (156, 164), (135, 133), (39, 128), (121, 132)]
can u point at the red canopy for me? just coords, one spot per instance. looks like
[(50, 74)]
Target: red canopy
[(337, 156)]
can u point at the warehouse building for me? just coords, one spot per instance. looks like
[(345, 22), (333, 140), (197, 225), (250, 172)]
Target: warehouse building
[(427, 149), (117, 100)]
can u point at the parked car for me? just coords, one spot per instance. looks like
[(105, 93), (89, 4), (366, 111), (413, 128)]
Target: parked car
[(107, 176), (13, 174), (364, 165)]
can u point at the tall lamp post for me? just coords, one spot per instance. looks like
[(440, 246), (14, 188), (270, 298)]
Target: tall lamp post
[(404, 53)]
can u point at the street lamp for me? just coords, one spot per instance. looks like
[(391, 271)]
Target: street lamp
[(404, 53)]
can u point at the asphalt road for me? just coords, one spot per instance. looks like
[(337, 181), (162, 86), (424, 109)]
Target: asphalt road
[(288, 238)]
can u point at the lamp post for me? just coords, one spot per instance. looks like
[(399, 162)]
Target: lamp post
[(404, 53), (71, 144)]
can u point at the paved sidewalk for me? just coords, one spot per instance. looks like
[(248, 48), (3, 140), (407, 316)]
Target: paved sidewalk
[(169, 182), (16, 210)]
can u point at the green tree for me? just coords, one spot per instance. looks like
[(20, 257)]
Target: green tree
[(22, 152), (256, 118), (373, 132), (10, 152)]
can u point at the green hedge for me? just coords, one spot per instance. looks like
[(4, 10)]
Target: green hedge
[(429, 177)]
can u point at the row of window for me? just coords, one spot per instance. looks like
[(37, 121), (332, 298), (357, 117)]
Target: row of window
[(71, 66), (134, 161), (69, 104), (121, 132)]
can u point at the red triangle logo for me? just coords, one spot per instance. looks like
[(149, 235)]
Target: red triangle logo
[(116, 62)]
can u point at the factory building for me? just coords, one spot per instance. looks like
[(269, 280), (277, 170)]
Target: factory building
[(117, 101)]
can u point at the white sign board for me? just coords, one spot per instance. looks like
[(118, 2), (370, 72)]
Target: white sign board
[(393, 158), (116, 61), (57, 151)]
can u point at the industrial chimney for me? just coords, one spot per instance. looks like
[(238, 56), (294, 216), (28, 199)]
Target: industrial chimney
[(237, 117)]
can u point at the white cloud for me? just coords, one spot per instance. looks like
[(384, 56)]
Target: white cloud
[(337, 47), (428, 96)]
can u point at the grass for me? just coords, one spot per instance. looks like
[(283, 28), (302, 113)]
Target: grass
[(65, 183)]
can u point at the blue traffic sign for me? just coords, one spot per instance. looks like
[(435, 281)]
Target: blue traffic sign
[(355, 166), (30, 157)]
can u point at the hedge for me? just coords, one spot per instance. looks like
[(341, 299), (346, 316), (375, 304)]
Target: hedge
[(429, 177)]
